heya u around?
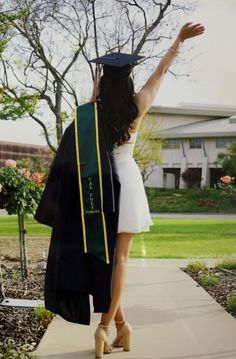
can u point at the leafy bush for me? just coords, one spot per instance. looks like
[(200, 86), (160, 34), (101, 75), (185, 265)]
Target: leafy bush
[(227, 160), (208, 280), (196, 266), (227, 189), (231, 302), (190, 200), (227, 263), (15, 275), (20, 190), (40, 313), (9, 352), (191, 177), (37, 164), (20, 193)]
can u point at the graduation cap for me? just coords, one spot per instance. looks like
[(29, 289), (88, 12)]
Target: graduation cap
[(117, 59), (116, 66)]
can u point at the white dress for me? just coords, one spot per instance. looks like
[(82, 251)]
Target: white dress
[(134, 214)]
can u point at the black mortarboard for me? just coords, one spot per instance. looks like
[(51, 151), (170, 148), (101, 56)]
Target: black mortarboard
[(117, 65), (117, 59)]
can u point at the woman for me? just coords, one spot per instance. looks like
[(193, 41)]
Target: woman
[(122, 112)]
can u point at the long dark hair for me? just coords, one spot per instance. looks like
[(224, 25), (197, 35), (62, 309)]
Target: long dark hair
[(116, 106)]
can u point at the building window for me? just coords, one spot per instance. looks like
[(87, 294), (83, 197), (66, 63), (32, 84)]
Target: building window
[(224, 141), (171, 143), (195, 143)]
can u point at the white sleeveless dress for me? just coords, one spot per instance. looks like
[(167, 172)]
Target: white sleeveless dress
[(134, 214)]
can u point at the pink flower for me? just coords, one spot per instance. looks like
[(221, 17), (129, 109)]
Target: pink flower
[(25, 172), (226, 179), (37, 177), (10, 163)]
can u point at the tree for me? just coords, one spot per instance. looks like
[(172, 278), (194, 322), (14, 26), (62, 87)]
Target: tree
[(227, 160), (36, 164), (20, 192), (50, 42), (147, 148), (191, 177)]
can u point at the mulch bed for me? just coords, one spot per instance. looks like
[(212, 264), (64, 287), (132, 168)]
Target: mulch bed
[(19, 328), (220, 291)]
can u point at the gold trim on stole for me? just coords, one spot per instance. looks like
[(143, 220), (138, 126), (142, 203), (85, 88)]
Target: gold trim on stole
[(100, 183), (80, 182)]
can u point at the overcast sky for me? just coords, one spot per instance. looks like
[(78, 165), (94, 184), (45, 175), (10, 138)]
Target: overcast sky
[(212, 73)]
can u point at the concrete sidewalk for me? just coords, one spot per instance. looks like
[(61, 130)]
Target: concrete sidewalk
[(194, 215), (172, 318)]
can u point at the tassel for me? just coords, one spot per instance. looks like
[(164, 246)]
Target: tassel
[(97, 77)]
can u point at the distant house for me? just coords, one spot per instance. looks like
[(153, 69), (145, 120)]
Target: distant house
[(16, 151), (192, 136)]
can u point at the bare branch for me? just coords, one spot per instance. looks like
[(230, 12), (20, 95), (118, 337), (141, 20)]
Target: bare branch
[(44, 130), (38, 62), (95, 29), (151, 27)]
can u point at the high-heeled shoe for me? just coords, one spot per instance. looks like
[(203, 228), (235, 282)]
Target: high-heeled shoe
[(101, 341), (123, 338)]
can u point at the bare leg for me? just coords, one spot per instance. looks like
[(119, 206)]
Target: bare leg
[(119, 316), (123, 246)]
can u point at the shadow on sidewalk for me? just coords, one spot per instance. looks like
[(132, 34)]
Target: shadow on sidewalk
[(89, 354)]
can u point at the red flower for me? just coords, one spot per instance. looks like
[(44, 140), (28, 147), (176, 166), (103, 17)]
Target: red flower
[(37, 177)]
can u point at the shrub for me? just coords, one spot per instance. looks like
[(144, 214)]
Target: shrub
[(231, 302), (191, 177), (14, 275), (227, 263), (206, 202), (9, 352), (20, 193), (41, 313), (208, 280), (226, 186), (20, 190), (196, 266)]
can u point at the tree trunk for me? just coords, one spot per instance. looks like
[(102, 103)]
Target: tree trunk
[(58, 100), (23, 253)]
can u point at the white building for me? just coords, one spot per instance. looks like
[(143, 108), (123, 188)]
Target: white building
[(193, 135)]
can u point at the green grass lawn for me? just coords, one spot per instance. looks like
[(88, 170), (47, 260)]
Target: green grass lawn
[(184, 238), (168, 238), (9, 227)]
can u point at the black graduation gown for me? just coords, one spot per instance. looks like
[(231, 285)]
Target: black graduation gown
[(71, 274)]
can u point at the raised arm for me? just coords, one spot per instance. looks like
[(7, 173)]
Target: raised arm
[(147, 94)]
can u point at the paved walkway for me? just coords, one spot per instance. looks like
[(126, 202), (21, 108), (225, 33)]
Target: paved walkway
[(195, 215), (176, 215), (172, 318)]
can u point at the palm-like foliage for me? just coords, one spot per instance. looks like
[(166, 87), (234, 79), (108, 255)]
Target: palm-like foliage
[(227, 160)]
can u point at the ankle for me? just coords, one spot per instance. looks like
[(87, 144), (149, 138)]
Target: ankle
[(104, 326), (119, 323)]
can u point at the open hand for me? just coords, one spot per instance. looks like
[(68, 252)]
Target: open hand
[(187, 31)]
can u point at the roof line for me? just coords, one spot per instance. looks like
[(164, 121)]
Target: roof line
[(22, 144), (186, 125), (196, 111), (196, 135)]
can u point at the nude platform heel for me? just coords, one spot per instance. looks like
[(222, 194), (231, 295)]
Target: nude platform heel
[(123, 338), (101, 342)]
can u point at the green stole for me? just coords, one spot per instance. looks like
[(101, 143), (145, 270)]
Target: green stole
[(89, 170)]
